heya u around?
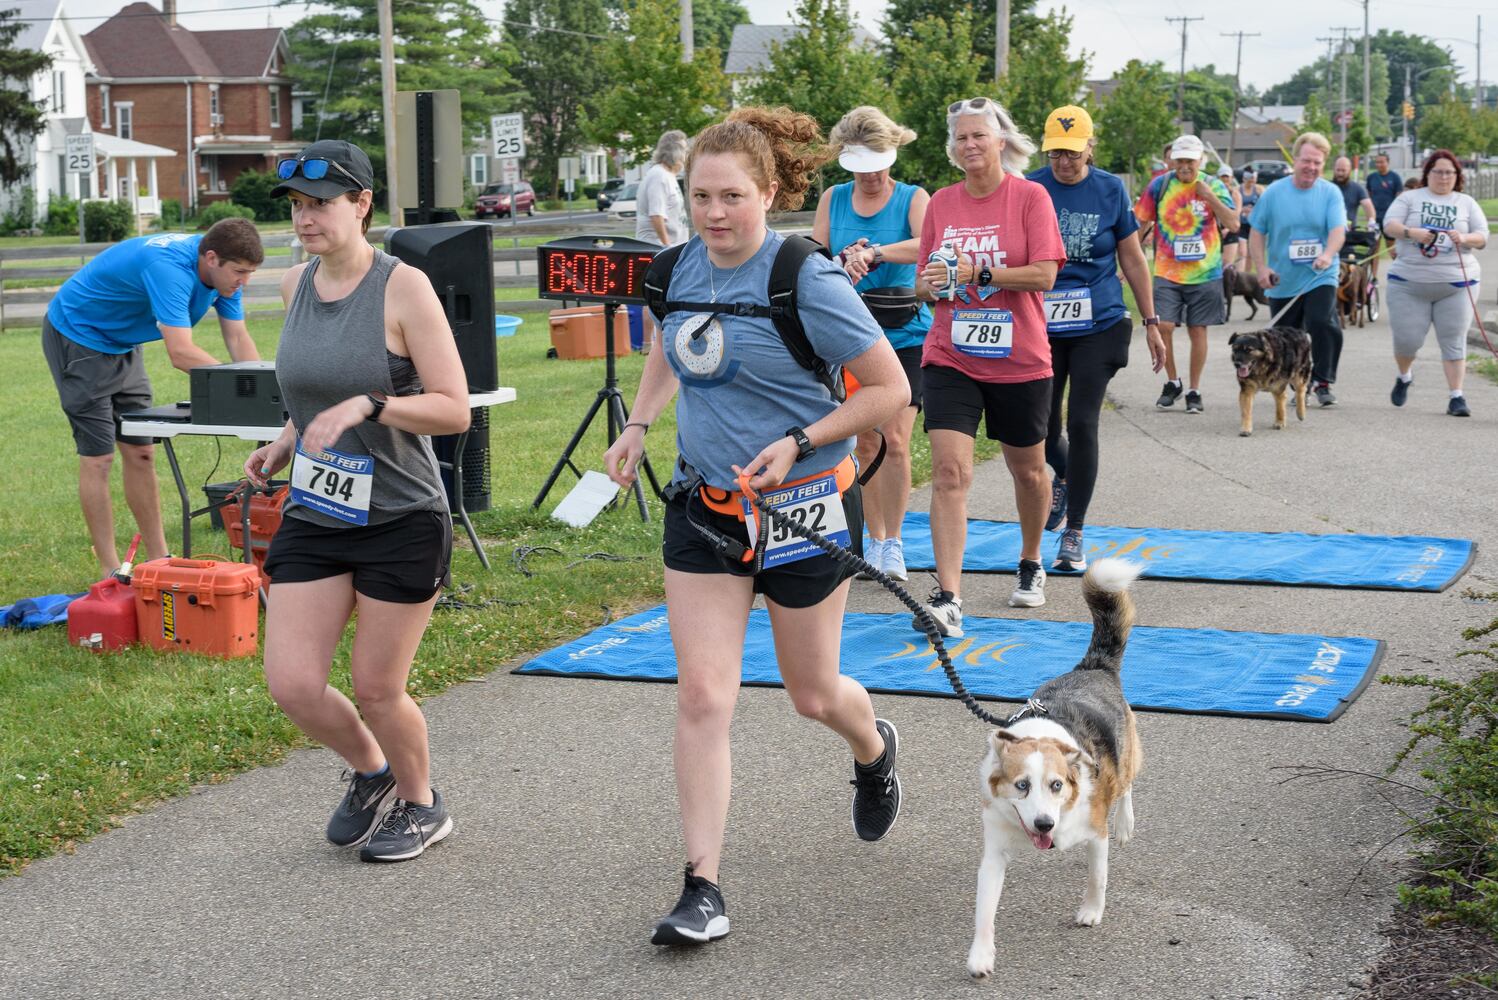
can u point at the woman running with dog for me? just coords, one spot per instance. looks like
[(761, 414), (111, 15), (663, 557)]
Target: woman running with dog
[(747, 411), (1436, 277), (1088, 324), (987, 358), (871, 223), (368, 370)]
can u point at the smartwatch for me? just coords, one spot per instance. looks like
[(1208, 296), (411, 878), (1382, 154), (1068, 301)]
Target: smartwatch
[(803, 443), (377, 400), (985, 277), (1152, 321)]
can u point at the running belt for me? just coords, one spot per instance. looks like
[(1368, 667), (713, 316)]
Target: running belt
[(1369, 562), (1305, 678)]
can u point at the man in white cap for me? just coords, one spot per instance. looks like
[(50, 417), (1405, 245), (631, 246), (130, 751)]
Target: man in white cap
[(1190, 214)]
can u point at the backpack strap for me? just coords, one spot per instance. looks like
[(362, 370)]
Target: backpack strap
[(658, 280), (786, 315)]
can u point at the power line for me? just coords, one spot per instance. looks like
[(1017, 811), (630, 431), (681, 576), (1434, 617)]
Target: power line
[(1181, 84), (1237, 86)]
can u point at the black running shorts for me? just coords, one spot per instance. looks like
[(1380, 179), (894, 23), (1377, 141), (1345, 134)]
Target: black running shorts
[(910, 360), (1013, 413), (801, 584), (404, 561)]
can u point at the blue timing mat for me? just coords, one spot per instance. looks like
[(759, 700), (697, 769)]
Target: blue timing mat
[(1306, 678), (1369, 562)]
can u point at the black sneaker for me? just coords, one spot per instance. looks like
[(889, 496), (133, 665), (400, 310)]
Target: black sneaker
[(1193, 401), (408, 830), (1458, 407), (699, 916), (876, 792), (359, 812), (1400, 392), (1056, 519), (1169, 395), (1324, 395)]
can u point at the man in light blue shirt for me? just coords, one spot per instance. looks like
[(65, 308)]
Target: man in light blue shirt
[(1299, 226), (145, 289)]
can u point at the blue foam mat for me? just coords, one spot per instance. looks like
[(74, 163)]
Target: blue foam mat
[(1306, 678), (1367, 562)]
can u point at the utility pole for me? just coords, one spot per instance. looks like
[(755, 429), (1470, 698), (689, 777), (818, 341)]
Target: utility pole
[(688, 48), (1480, 102), (1329, 42), (1342, 101), (1000, 40), (387, 89), (1367, 74), (1237, 87), (1181, 84)]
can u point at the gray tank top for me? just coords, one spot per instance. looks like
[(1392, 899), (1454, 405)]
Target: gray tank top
[(330, 351)]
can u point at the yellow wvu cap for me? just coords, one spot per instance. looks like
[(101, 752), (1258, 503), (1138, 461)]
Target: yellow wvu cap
[(1067, 128)]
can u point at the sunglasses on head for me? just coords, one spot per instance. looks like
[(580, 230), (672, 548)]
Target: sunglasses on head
[(972, 104), (1067, 154), (314, 168)]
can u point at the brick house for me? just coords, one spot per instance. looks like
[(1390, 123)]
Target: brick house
[(221, 100)]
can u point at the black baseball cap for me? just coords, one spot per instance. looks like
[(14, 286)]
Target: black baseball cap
[(357, 174)]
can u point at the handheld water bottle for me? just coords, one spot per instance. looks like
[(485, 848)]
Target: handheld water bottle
[(946, 255)]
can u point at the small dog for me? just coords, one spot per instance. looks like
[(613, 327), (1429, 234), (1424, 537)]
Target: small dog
[(1271, 360), (1058, 767), (1352, 292), (1236, 282)]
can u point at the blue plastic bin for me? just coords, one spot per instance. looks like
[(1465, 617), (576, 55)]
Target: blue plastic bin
[(505, 326), (636, 327)]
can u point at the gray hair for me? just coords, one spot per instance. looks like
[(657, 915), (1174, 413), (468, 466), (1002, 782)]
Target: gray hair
[(1018, 147), (671, 148)]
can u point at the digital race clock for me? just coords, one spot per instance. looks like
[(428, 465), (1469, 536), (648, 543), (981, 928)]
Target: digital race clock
[(594, 268)]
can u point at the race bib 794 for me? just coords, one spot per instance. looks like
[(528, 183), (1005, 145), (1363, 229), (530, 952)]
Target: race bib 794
[(333, 483)]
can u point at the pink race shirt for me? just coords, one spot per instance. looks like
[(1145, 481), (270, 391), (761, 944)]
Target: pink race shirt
[(1012, 227)]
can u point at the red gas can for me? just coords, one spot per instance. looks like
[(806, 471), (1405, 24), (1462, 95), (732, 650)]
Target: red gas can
[(108, 609)]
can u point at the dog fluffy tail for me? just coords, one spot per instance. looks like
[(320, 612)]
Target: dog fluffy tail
[(1106, 590)]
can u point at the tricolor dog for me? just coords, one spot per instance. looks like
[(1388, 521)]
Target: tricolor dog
[(1056, 770)]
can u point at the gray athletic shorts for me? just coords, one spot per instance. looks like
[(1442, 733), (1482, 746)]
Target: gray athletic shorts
[(1416, 306), (95, 388), (1190, 305)]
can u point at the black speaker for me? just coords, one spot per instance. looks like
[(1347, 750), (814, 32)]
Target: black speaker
[(476, 482), (458, 259)]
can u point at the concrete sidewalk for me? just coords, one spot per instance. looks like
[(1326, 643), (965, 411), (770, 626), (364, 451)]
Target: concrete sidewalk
[(1239, 883)]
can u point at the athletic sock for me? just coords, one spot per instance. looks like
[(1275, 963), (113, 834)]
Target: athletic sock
[(1456, 394), (1175, 382), (375, 774), (1406, 377)]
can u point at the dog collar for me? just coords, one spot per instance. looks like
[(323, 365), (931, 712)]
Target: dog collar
[(1033, 708)]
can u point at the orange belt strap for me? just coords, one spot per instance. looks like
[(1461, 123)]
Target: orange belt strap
[(729, 501)]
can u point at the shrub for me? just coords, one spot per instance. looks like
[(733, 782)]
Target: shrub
[(62, 216), (223, 210), (252, 190), (171, 213), (107, 221), (22, 215)]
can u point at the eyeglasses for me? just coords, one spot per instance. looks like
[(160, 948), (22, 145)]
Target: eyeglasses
[(972, 104), (314, 168), (1443, 173), (1065, 154)]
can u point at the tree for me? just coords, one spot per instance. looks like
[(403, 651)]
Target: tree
[(1315, 117), (557, 66), (713, 22), (1209, 98), (1487, 130), (1324, 80), (1449, 125), (650, 89), (926, 80), (1042, 77), (439, 45), (901, 16), (20, 116), (1359, 135), (1419, 54), (1137, 119), (819, 70)]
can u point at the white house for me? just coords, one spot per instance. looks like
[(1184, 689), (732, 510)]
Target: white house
[(749, 49)]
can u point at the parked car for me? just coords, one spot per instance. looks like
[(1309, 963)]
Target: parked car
[(609, 193), (496, 200), (1268, 171), (623, 206)]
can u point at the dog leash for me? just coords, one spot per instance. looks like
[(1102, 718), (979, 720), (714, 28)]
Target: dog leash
[(1472, 299), (1355, 261)]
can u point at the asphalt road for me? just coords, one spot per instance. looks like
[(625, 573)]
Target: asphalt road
[(1239, 883)]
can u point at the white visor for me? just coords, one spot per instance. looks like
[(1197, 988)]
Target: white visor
[(863, 160)]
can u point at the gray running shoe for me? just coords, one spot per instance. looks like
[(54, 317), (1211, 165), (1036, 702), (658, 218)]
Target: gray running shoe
[(1069, 555), (359, 812), (698, 918), (408, 830), (1193, 401), (946, 608), (1169, 395), (1458, 407), (1324, 395), (1056, 519)]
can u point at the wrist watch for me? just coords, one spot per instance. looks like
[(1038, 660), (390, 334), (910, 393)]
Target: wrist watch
[(985, 277), (803, 443), (878, 254), (377, 400), (1152, 321)]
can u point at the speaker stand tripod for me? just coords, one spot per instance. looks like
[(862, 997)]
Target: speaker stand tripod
[(612, 400)]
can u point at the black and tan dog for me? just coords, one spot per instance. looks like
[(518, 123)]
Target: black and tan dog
[(1271, 361), (1236, 282)]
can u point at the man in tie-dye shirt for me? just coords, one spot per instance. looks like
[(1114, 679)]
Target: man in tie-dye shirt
[(1190, 212)]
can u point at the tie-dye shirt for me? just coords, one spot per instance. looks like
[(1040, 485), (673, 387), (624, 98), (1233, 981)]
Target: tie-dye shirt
[(1188, 243)]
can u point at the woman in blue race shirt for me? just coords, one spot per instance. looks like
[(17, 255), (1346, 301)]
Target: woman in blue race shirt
[(873, 224), (740, 390), (1086, 319)]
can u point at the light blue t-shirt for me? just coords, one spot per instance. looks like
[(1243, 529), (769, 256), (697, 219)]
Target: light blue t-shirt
[(891, 224), (1293, 218), (115, 302), (740, 387), (1094, 216)]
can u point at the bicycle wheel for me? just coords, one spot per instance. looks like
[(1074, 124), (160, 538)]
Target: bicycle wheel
[(1372, 303)]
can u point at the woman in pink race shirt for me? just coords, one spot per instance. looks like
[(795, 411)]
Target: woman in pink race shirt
[(987, 358)]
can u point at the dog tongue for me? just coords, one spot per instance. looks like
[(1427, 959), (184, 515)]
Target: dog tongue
[(1243, 371), (1042, 841)]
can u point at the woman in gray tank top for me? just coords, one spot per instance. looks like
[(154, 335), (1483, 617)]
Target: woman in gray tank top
[(368, 371)]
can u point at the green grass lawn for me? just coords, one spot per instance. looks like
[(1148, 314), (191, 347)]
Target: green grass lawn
[(1490, 209), (87, 738)]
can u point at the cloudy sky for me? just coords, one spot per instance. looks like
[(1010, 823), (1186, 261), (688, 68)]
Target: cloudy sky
[(1112, 32)]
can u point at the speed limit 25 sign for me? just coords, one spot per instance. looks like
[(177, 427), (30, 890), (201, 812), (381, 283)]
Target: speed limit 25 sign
[(509, 136), (79, 154)]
